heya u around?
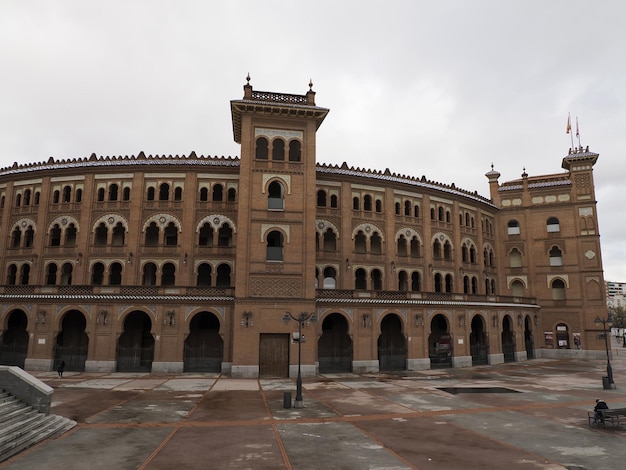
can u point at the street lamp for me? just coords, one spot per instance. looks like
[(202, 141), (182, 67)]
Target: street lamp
[(609, 369), (301, 318)]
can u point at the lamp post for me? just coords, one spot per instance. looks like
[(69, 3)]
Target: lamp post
[(609, 369), (301, 318)]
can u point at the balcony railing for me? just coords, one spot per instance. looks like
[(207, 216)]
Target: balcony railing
[(427, 296), (130, 291)]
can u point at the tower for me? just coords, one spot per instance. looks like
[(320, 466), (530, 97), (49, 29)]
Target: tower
[(275, 259)]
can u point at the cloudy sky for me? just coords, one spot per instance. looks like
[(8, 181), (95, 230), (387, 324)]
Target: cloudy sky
[(437, 88)]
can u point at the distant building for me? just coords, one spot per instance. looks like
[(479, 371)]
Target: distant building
[(615, 294), (191, 263)]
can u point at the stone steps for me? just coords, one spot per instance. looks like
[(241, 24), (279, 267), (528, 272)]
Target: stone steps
[(22, 427)]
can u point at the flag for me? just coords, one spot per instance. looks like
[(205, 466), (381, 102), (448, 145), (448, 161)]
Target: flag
[(569, 125), (577, 133)]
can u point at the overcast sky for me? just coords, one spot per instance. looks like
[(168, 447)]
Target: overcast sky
[(436, 88)]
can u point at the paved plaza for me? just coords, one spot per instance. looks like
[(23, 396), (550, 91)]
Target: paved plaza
[(527, 415)]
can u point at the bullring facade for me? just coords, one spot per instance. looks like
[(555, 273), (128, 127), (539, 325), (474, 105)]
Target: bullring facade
[(191, 263)]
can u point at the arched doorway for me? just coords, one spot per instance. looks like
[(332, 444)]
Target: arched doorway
[(439, 343), (14, 341), (72, 342), (508, 340), (204, 347), (479, 342), (529, 340), (391, 344), (135, 347), (335, 345)]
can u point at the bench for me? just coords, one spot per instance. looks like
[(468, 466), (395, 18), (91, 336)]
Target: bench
[(614, 417)]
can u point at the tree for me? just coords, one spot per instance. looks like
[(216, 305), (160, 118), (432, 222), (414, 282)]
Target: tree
[(618, 316)]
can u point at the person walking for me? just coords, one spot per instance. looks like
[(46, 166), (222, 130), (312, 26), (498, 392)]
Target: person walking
[(61, 369)]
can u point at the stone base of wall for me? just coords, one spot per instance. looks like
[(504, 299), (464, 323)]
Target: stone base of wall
[(227, 368), (462, 361), (496, 358), (365, 367), (521, 356), (244, 372), (418, 364), (572, 353), (100, 366), (168, 367), (44, 365), (306, 370)]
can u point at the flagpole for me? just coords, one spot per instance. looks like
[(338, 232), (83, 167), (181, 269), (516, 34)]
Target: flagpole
[(578, 133)]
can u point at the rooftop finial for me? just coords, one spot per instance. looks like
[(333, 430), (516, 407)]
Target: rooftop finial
[(248, 78), (310, 85), (524, 174)]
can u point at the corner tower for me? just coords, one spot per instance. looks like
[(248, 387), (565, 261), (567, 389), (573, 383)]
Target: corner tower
[(275, 259)]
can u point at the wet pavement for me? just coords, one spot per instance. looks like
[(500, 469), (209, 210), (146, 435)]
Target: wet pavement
[(527, 415)]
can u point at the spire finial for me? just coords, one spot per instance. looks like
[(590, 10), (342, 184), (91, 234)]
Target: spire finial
[(248, 78), (310, 85)]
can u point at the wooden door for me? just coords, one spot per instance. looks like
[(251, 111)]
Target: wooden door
[(274, 355)]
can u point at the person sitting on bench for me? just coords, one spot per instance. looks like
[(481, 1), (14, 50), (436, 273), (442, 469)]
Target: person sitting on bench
[(600, 405)]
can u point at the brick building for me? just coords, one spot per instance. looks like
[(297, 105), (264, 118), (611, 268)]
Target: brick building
[(193, 263)]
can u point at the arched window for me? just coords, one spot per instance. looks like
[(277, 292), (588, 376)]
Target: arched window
[(16, 238), (67, 194), (556, 257), (150, 194), (436, 249), (38, 195), (416, 211), (125, 194), (333, 201), (225, 236), (377, 279), (275, 197), (355, 203), (360, 281), (432, 213), (397, 206), (204, 275), (27, 197), (415, 247), (330, 240), (401, 246), (25, 274), (558, 289), (168, 274), (441, 214), (218, 193), (274, 246), (360, 242), (466, 285), (474, 285), (472, 255), (164, 192), (438, 283), (262, 148), (448, 283), (149, 275), (12, 275), (204, 194), (119, 234), (448, 217), (101, 235), (513, 227), (113, 191), (553, 225), (223, 275), (379, 205), (115, 274), (232, 195), (517, 288), (330, 278), (295, 154), (29, 236), (278, 150), (152, 234), (66, 274), (403, 281), (178, 193), (464, 253), (171, 234), (55, 235), (205, 237), (321, 198), (70, 235), (416, 282), (407, 207), (367, 202), (100, 195), (515, 258), (97, 274), (376, 244), (51, 274), (447, 251)]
